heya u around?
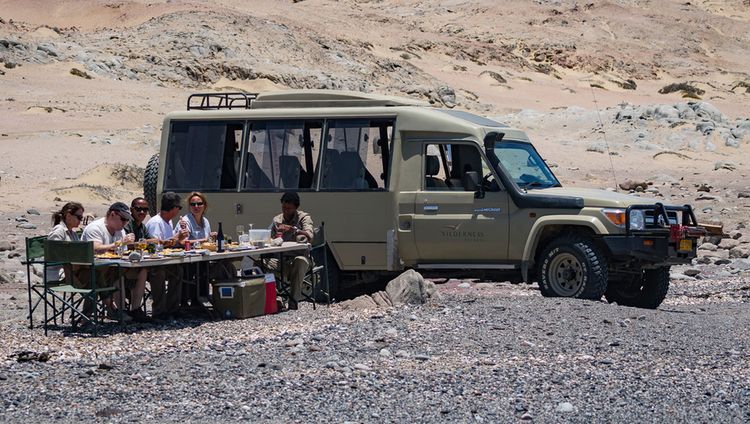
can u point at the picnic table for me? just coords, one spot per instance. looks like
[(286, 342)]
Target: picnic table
[(197, 256), (202, 256)]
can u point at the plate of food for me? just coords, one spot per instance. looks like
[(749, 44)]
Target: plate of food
[(108, 255), (209, 246), (197, 252)]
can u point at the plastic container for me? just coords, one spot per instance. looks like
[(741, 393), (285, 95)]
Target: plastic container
[(259, 235)]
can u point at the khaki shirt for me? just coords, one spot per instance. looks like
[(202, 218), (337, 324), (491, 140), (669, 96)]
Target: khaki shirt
[(301, 220)]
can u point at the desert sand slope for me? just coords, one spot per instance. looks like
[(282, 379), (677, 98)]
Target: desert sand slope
[(614, 94)]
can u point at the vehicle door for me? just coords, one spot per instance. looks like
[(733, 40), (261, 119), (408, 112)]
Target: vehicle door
[(454, 222)]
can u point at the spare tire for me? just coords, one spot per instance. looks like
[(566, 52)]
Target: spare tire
[(150, 178)]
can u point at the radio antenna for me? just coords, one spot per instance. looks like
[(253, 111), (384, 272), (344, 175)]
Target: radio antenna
[(604, 133)]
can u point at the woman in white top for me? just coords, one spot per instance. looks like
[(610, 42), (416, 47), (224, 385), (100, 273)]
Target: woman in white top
[(65, 222), (199, 229), (197, 224)]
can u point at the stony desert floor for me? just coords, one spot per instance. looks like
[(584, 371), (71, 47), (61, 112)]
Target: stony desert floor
[(84, 86)]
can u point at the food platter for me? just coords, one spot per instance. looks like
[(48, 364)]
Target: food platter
[(108, 255)]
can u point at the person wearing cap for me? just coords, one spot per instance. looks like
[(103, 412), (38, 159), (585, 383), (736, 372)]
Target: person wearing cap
[(107, 233), (166, 296)]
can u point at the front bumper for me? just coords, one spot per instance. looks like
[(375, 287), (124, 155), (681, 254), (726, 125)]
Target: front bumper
[(655, 249)]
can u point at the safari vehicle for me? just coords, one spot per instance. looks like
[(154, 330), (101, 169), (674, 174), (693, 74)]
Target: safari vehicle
[(400, 184)]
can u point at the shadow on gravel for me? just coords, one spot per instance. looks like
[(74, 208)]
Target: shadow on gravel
[(112, 328)]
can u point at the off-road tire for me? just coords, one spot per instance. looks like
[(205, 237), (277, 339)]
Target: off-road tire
[(150, 178), (572, 266), (645, 291)]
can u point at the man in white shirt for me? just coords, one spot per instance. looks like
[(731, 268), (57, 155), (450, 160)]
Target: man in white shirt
[(166, 297), (107, 233)]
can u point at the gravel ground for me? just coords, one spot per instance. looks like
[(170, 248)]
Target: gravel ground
[(488, 352)]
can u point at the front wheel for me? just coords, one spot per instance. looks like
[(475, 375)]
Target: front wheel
[(572, 266), (646, 290)]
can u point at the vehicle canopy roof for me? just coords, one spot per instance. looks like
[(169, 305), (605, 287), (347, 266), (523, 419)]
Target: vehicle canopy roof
[(415, 116)]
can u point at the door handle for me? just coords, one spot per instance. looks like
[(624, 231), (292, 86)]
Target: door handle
[(431, 208)]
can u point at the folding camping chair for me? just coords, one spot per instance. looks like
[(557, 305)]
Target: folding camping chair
[(36, 291), (84, 303), (317, 274)]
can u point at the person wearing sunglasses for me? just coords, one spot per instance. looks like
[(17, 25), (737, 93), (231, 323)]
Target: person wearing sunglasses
[(166, 296), (199, 229), (107, 233), (64, 222), (139, 211)]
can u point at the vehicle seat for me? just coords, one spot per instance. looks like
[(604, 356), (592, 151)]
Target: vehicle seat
[(290, 171), (329, 167), (255, 177), (432, 168), (351, 171)]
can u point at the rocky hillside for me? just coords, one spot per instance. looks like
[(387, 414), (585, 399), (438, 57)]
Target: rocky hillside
[(433, 50)]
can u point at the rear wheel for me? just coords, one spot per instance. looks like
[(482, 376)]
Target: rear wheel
[(150, 178), (646, 290), (572, 266)]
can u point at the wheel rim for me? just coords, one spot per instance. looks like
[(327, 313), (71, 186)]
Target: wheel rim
[(565, 274)]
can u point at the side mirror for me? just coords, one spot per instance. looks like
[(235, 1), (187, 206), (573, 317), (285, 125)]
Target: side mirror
[(471, 182)]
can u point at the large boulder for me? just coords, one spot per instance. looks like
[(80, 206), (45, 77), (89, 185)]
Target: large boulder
[(707, 110), (407, 288), (363, 302)]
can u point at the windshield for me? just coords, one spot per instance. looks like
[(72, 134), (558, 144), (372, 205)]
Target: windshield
[(524, 165)]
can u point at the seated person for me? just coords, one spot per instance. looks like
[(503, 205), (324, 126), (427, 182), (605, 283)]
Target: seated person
[(292, 225), (166, 297), (199, 230), (107, 234), (139, 211), (65, 222)]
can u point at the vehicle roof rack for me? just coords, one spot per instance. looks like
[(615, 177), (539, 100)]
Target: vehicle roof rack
[(215, 101)]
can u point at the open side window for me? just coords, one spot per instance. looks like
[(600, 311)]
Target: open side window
[(446, 166), (203, 155), (282, 155), (356, 154)]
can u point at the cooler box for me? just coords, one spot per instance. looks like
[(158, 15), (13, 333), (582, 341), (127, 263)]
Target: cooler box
[(251, 296), (243, 298)]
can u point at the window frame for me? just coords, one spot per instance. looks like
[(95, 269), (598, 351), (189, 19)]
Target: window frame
[(444, 162), (387, 150), (169, 152)]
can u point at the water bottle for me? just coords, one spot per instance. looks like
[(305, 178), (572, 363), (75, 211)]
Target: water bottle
[(220, 240)]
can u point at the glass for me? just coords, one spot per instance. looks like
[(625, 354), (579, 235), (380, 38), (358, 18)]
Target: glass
[(240, 231), (527, 169), (141, 245)]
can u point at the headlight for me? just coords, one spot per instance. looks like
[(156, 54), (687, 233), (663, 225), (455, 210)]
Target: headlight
[(637, 220)]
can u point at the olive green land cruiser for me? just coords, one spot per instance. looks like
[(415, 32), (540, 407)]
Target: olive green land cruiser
[(400, 184)]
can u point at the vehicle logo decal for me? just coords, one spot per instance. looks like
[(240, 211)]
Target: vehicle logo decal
[(487, 210)]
